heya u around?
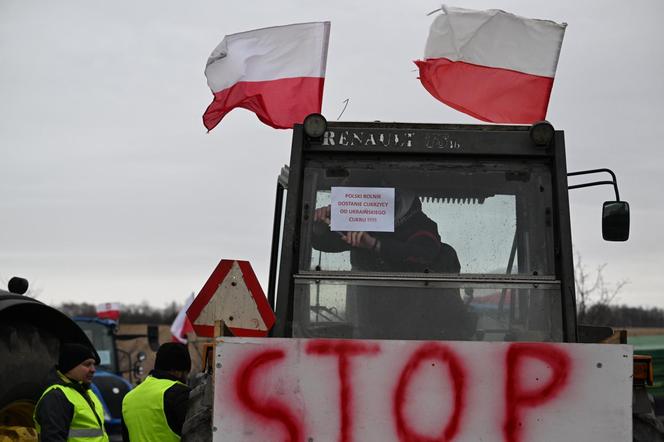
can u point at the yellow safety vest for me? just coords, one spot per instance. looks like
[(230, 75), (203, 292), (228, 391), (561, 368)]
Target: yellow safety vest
[(143, 412), (84, 426)]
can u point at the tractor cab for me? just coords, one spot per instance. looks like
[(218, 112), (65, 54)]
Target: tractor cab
[(429, 232), (101, 333)]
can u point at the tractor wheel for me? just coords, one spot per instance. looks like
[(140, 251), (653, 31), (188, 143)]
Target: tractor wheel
[(27, 355)]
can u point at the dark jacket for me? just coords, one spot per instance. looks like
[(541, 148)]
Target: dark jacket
[(402, 312), (54, 411), (414, 246), (175, 404)]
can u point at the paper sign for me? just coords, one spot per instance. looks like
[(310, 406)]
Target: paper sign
[(362, 209)]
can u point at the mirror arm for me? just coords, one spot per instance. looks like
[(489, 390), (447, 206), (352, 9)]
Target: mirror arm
[(613, 181), (596, 183)]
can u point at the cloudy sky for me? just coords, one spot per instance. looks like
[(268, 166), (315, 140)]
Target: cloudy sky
[(111, 189)]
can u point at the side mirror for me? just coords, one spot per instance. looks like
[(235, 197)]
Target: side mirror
[(138, 365), (615, 221)]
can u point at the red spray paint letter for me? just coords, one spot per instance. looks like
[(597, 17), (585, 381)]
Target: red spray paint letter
[(518, 398), (428, 352), (344, 350), (270, 409)]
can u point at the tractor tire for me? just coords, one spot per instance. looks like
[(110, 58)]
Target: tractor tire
[(647, 428), (18, 434), (197, 425), (27, 353), (30, 336)]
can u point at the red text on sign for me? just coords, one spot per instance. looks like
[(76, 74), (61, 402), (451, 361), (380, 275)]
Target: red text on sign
[(429, 353), (523, 391), (268, 410), (518, 398), (343, 350)]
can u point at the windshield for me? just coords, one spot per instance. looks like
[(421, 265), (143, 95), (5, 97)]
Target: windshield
[(442, 249), (102, 339)]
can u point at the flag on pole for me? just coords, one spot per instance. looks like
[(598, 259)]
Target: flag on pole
[(181, 324), (277, 73), (108, 310), (493, 65)]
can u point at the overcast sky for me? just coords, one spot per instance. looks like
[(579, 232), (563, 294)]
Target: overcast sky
[(111, 189)]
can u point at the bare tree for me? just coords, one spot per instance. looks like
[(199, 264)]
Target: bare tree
[(592, 289)]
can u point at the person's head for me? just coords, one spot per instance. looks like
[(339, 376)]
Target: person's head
[(404, 200), (77, 362), (173, 357)]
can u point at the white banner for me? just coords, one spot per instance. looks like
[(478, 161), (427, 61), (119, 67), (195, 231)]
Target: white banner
[(358, 390), (362, 209)]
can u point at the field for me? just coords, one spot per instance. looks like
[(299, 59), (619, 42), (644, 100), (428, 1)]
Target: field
[(654, 331)]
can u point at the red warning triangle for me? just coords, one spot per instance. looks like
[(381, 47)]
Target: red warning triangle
[(232, 294)]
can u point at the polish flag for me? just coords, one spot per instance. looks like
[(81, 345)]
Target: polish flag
[(277, 73), (493, 65), (181, 324), (108, 310)]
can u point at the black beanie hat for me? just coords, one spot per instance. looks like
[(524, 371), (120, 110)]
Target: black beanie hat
[(73, 354), (173, 356)]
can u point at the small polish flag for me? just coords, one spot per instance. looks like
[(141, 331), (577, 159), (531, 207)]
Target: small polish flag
[(181, 324), (277, 73), (109, 310), (493, 65)]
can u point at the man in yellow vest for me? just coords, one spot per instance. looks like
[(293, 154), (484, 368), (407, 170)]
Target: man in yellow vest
[(155, 410), (68, 410)]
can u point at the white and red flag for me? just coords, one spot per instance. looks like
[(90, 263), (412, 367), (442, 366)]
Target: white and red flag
[(277, 73), (108, 310), (181, 324), (493, 65)]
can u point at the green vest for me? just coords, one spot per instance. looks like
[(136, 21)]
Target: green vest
[(84, 426), (143, 412)]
